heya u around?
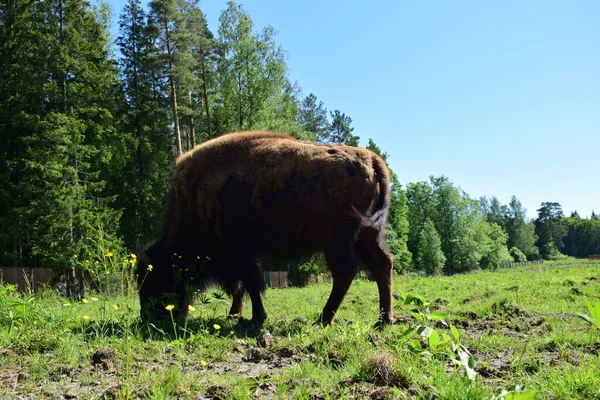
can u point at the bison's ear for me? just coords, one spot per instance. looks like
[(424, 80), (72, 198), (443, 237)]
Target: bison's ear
[(141, 254)]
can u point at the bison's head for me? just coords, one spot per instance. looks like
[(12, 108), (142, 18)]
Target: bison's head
[(158, 284)]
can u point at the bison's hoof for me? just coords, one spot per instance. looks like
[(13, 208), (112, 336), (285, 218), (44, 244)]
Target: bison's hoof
[(258, 321), (324, 323), (382, 323)]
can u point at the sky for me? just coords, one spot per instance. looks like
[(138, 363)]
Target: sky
[(502, 97)]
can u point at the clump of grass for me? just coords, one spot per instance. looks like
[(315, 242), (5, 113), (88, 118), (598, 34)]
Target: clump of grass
[(383, 369)]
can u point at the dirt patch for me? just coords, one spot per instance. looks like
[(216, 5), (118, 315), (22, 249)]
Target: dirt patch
[(495, 365), (361, 390), (7, 353)]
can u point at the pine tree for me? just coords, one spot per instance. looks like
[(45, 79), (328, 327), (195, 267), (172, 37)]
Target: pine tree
[(340, 129), (142, 177), (67, 125), (171, 48), (313, 118), (24, 39), (551, 228), (204, 51)]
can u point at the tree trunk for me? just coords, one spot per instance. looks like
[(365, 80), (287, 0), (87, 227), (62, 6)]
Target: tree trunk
[(192, 128), (173, 92), (205, 96)]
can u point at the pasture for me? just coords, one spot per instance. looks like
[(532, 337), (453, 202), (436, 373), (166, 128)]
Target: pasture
[(513, 333)]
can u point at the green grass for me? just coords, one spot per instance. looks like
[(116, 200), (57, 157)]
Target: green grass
[(520, 326)]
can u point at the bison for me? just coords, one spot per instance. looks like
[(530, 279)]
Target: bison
[(239, 198)]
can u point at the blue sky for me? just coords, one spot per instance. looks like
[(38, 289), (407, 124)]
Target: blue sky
[(502, 97)]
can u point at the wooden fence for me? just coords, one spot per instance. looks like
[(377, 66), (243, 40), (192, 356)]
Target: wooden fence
[(27, 279), (521, 264)]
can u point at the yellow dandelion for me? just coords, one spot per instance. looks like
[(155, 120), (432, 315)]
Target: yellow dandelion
[(133, 256), (150, 267), (217, 326), (191, 308), (170, 307), (86, 317), (203, 363), (95, 299), (109, 254), (115, 307), (132, 261), (84, 301)]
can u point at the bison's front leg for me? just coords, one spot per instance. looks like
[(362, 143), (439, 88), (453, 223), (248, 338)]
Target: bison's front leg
[(255, 285)]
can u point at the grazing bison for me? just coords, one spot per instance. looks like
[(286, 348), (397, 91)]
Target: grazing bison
[(244, 196)]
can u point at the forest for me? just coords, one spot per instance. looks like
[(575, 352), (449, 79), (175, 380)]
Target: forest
[(91, 125)]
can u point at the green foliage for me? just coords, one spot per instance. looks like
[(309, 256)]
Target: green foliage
[(520, 232), (60, 144), (313, 118), (340, 129), (495, 250), (551, 228), (583, 237), (430, 257), (594, 317), (517, 254), (252, 71)]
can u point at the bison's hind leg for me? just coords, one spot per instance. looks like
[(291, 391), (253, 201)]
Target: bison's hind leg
[(237, 291), (371, 250), (343, 266), (252, 282)]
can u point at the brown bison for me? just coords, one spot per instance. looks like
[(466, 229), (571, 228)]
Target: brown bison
[(245, 196)]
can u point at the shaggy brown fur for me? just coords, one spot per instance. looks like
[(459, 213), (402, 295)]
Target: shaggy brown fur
[(245, 196)]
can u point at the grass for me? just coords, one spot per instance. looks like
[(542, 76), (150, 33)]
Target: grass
[(518, 335)]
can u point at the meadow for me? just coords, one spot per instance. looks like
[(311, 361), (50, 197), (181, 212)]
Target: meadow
[(519, 333)]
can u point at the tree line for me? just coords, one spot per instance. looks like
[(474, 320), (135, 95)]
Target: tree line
[(90, 126)]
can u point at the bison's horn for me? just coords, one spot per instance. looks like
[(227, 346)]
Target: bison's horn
[(140, 252)]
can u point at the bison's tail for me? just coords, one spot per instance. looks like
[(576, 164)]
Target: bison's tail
[(380, 210)]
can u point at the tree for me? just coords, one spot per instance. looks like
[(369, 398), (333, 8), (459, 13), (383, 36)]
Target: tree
[(313, 118), (495, 252), (172, 52), (551, 228), (583, 237), (23, 36), (521, 233), (430, 258), (340, 129), (494, 211), (251, 71), (420, 207), (140, 180), (60, 144), (205, 52)]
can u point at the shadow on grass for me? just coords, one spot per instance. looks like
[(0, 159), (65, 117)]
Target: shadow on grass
[(166, 330)]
